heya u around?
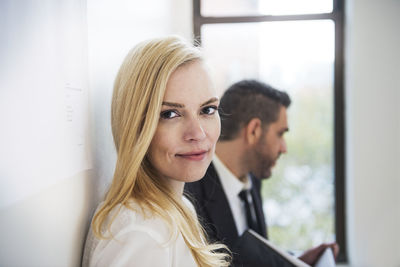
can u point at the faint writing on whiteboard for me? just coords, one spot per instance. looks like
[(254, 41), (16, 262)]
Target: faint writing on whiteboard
[(75, 103)]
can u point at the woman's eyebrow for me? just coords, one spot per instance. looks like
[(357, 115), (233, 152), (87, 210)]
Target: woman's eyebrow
[(211, 100), (175, 105)]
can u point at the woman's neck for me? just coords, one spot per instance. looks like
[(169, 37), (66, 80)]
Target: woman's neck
[(176, 186)]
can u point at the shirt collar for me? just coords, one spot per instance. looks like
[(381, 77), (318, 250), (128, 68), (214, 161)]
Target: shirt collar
[(231, 184)]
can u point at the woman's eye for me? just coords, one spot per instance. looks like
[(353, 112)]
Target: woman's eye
[(169, 114), (209, 110)]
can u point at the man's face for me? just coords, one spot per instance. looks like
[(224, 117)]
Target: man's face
[(270, 146)]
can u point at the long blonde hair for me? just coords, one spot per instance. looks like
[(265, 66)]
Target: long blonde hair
[(136, 104)]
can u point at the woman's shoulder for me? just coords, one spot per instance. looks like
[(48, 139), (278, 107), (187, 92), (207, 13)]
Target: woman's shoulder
[(131, 217), (132, 237), (134, 217), (138, 236)]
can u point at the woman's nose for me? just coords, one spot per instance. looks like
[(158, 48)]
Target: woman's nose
[(194, 130)]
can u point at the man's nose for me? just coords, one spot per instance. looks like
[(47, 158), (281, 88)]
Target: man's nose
[(283, 146)]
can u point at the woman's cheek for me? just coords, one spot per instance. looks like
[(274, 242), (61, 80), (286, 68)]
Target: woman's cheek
[(215, 128)]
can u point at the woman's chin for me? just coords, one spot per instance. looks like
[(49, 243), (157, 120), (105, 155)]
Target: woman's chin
[(194, 177)]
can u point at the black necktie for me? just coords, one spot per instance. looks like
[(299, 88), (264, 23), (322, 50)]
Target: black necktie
[(251, 216)]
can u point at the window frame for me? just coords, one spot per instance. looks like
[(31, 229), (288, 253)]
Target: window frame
[(337, 16)]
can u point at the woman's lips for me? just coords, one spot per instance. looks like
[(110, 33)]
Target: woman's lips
[(194, 155)]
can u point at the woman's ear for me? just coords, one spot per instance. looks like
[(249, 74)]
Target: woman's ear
[(253, 131)]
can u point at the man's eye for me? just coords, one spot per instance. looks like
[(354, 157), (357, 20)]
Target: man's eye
[(169, 114), (281, 133), (209, 110)]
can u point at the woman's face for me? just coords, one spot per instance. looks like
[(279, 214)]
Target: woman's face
[(189, 126)]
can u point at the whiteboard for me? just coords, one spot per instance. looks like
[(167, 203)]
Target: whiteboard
[(44, 106)]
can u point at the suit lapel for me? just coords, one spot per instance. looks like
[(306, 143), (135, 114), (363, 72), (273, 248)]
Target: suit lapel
[(218, 208)]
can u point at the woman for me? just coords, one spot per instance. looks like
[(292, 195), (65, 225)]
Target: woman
[(165, 124)]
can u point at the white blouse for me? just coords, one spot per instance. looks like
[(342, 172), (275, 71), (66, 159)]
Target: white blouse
[(138, 241)]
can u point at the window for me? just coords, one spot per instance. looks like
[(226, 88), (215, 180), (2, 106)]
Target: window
[(296, 46)]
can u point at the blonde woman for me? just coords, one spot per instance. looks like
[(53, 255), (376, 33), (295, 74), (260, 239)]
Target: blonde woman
[(165, 125)]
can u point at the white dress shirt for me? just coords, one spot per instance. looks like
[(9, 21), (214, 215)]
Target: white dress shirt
[(232, 187), (138, 241)]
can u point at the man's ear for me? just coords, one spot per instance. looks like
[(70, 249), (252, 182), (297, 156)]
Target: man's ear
[(253, 131)]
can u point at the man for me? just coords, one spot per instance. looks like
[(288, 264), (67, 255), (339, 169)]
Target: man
[(228, 199)]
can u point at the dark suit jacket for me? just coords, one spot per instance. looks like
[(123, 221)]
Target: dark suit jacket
[(214, 211)]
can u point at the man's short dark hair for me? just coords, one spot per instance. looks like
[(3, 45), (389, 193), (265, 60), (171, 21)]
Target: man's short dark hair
[(246, 100)]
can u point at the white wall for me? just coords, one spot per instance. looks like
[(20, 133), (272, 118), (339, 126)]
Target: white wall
[(45, 154), (373, 132), (48, 228)]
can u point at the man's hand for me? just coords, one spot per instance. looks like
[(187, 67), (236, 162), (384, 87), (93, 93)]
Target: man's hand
[(311, 256)]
